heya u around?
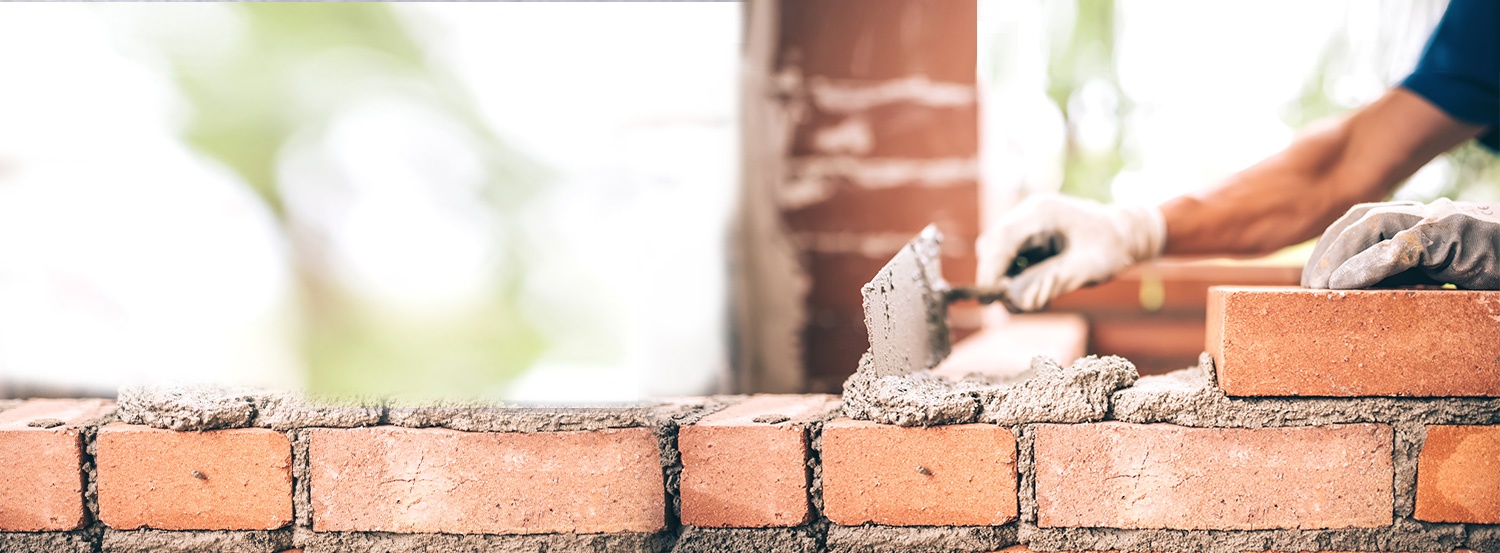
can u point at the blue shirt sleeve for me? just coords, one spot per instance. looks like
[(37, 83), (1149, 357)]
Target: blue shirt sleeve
[(1460, 69)]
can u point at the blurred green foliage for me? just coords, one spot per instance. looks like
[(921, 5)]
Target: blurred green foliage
[(249, 101), (1085, 53)]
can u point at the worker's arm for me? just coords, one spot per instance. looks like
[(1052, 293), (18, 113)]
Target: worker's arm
[(1292, 196), (1288, 198)]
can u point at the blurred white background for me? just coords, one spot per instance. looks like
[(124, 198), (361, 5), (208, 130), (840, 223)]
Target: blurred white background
[(531, 200), (125, 256)]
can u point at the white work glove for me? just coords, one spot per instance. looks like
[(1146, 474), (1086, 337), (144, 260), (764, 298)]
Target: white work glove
[(1445, 242), (1088, 243)]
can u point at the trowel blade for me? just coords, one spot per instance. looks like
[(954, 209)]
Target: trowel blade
[(906, 309)]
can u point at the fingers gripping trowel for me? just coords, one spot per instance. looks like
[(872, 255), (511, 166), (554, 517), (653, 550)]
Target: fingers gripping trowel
[(906, 307)]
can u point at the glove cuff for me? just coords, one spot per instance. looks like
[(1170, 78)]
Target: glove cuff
[(1146, 231)]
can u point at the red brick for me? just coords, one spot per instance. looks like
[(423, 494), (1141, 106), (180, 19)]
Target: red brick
[(737, 472), (237, 479), (901, 130), (1274, 341), (1458, 475), (41, 486), (418, 480), (961, 475), (1118, 475), (900, 210), (879, 39)]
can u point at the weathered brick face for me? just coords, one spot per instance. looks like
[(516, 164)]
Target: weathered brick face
[(41, 464), (1283, 341), (963, 475), (1118, 475), (410, 480), (747, 466), (235, 479), (1458, 475)]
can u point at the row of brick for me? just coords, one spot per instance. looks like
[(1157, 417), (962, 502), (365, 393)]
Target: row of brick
[(1287, 341), (751, 465)]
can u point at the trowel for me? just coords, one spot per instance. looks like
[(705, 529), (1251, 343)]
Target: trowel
[(906, 305)]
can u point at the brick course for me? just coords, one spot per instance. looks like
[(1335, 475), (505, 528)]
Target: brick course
[(1119, 475), (962, 475), (412, 480), (740, 469), (1282, 341), (1458, 475), (236, 479)]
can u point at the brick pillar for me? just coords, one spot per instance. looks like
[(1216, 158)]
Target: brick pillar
[(860, 127)]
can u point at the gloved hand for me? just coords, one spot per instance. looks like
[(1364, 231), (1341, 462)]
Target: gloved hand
[(1446, 241), (1087, 242)]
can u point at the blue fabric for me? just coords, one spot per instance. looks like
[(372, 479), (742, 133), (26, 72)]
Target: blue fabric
[(1460, 68)]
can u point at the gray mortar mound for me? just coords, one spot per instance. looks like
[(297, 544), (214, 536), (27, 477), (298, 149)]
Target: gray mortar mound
[(927, 539), (378, 542), (187, 408), (500, 417), (1404, 535), (1047, 392), (1189, 397), (916, 399), (511, 417), (81, 541), (195, 408), (746, 540), (167, 541), (284, 411)]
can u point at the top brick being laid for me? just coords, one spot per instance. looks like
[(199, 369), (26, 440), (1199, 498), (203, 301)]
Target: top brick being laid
[(1288, 341)]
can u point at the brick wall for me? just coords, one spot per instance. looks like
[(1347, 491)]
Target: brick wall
[(1173, 462)]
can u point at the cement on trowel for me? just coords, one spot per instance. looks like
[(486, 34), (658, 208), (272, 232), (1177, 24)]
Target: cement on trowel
[(906, 309), (1047, 392)]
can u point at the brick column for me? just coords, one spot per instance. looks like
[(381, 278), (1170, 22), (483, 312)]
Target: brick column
[(860, 127)]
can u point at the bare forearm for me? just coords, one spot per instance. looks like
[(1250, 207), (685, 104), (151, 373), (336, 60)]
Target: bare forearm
[(1292, 196)]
